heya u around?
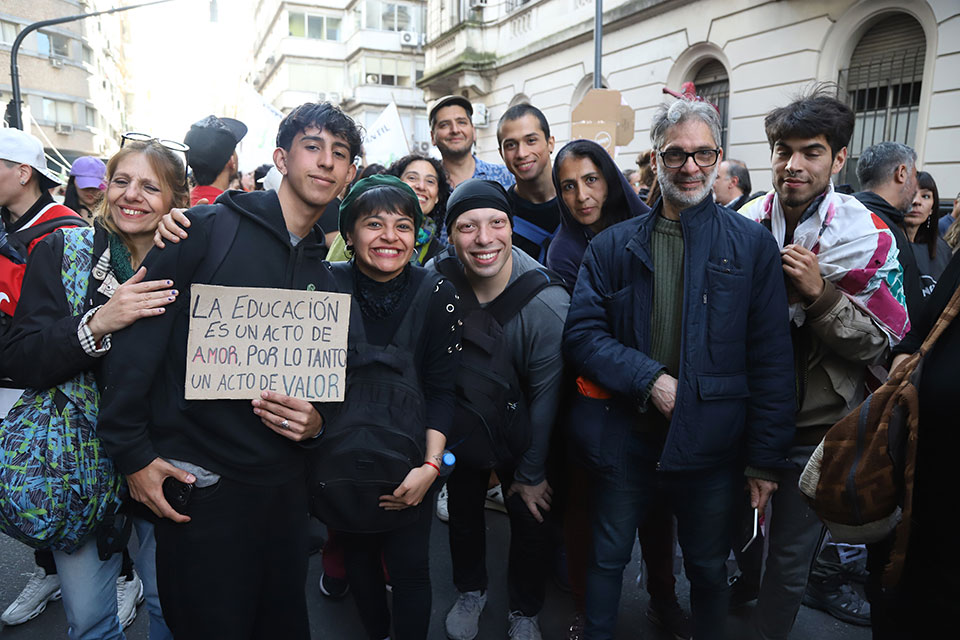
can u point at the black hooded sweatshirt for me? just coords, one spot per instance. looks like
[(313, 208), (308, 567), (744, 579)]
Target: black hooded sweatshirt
[(143, 413), (568, 245), (912, 287)]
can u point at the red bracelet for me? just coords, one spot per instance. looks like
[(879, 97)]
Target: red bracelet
[(433, 465)]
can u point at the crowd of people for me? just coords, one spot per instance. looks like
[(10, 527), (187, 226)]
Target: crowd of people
[(610, 356)]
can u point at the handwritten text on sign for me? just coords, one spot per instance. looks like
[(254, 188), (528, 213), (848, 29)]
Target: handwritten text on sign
[(243, 341)]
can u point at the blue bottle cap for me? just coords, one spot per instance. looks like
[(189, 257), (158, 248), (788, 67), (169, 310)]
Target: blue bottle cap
[(449, 459)]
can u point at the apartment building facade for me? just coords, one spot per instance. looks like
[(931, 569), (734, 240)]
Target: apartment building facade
[(359, 54), (896, 62), (72, 76)]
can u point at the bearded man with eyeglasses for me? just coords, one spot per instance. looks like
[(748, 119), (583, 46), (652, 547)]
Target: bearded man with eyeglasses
[(682, 316)]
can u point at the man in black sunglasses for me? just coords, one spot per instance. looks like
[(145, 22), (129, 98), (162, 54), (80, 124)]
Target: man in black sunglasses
[(213, 155)]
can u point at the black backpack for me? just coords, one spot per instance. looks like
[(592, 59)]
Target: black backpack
[(379, 435), (491, 424)]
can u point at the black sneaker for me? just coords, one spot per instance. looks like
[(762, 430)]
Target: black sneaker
[(334, 588), (672, 618), (741, 593), (844, 603)]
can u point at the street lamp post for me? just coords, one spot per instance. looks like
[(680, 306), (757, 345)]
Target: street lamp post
[(13, 109), (597, 45)]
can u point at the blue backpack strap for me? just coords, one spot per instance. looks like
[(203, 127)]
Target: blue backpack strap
[(76, 265), (534, 233)]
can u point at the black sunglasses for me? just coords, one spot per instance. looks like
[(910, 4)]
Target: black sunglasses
[(676, 158), (172, 145)]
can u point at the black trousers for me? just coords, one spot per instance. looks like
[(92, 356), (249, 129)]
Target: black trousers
[(238, 569), (531, 542), (406, 552)]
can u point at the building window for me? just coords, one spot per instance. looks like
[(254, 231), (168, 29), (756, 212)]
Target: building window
[(389, 72), (57, 111), (91, 115), (314, 77), (713, 85), (391, 16), (53, 44), (882, 86), (303, 25), (8, 32), (87, 54)]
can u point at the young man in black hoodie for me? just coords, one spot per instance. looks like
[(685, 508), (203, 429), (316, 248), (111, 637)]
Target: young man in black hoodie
[(234, 564), (525, 146)]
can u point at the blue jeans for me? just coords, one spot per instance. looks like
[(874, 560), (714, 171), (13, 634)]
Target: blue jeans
[(89, 588), (703, 503), (146, 566)]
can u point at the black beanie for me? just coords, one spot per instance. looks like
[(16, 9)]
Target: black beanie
[(477, 194)]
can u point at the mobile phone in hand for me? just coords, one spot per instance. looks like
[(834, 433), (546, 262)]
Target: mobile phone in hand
[(177, 493)]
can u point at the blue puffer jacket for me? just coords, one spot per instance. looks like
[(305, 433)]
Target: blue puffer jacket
[(735, 396)]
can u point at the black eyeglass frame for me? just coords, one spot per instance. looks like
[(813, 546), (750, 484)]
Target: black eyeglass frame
[(689, 154), (171, 145)]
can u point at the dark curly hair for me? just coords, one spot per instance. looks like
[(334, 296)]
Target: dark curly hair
[(443, 183), (323, 116)]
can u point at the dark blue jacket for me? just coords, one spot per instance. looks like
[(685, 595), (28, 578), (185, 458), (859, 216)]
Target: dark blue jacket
[(735, 396)]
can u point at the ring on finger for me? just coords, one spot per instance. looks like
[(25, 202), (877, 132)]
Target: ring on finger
[(284, 424)]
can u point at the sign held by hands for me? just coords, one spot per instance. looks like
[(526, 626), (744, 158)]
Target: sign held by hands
[(246, 340)]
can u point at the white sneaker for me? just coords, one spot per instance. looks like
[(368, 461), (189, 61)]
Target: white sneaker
[(443, 512), (463, 619), (39, 590), (495, 499), (523, 627), (129, 595)]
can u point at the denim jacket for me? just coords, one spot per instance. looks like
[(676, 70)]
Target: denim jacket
[(735, 395)]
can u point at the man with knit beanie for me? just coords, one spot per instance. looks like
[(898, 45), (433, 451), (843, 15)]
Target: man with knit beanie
[(681, 315), (485, 267)]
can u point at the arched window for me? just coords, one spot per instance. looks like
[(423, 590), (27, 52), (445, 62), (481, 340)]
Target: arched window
[(713, 85), (882, 85), (585, 84)]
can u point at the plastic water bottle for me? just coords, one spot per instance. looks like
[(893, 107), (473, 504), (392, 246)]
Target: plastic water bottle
[(447, 462)]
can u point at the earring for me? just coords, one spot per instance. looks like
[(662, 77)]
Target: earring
[(23, 183)]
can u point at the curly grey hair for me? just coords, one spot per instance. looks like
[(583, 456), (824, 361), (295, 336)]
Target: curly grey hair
[(679, 111)]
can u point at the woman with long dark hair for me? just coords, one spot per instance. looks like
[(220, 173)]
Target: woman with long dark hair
[(594, 195), (921, 226), (86, 186)]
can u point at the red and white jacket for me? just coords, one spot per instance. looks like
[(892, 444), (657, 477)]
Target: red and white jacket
[(41, 224)]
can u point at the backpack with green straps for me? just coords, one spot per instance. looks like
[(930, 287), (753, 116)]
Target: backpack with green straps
[(56, 482)]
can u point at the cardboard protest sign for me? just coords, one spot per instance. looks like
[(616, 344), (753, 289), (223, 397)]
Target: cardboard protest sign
[(245, 340), (602, 117)]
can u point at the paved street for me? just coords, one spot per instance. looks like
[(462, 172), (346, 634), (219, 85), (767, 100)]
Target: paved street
[(337, 620)]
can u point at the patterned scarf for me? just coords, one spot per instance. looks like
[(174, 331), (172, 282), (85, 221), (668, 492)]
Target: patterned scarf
[(378, 300), (856, 252), (119, 259)]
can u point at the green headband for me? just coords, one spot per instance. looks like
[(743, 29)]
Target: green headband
[(348, 215)]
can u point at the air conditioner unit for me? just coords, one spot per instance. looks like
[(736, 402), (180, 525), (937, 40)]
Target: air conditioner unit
[(63, 128), (56, 62), (424, 147), (372, 78), (409, 38), (321, 96), (478, 4), (480, 116), (334, 98)]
